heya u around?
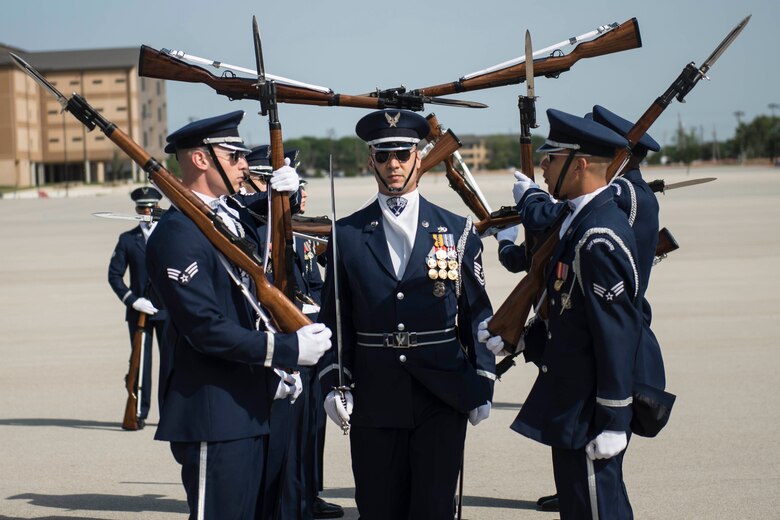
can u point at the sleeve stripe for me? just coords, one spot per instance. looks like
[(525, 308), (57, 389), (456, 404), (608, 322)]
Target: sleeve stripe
[(614, 403), (269, 349), (487, 374)]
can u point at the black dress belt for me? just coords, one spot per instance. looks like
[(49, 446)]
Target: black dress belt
[(405, 339)]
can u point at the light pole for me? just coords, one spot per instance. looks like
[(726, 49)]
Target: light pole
[(772, 107)]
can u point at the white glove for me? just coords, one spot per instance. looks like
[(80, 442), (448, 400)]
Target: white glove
[(285, 178), (494, 343), (313, 342), (606, 445), (286, 386), (509, 233), (522, 184), (479, 414), (145, 306), (482, 333), (336, 409)]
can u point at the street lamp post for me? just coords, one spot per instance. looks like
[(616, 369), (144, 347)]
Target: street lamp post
[(773, 107), (738, 114)]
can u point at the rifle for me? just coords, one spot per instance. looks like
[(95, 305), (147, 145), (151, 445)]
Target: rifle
[(281, 228), (468, 192), (508, 322), (164, 65), (240, 251), (130, 421), (614, 39), (666, 244)]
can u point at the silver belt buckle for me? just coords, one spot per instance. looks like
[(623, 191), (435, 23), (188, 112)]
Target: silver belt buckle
[(401, 339)]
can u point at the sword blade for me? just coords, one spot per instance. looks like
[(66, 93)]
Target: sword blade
[(721, 48), (34, 74), (692, 182), (529, 65)]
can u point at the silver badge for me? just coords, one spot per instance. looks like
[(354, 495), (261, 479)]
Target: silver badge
[(441, 229), (425, 223), (439, 289)]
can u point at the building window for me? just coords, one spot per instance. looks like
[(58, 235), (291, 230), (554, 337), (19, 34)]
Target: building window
[(74, 82), (97, 81), (143, 111), (54, 140), (121, 109), (119, 80), (100, 138), (76, 139), (53, 112), (159, 87), (146, 139), (159, 115), (143, 84), (160, 141)]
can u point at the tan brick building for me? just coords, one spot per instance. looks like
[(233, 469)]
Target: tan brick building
[(41, 145)]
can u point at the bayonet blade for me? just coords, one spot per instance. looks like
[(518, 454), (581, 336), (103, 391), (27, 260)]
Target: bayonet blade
[(529, 65), (720, 49), (124, 216), (683, 184), (26, 67), (258, 52)]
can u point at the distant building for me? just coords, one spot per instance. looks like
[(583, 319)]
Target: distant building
[(41, 145), (474, 152)]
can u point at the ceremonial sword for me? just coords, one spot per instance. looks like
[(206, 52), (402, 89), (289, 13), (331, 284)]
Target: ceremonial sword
[(341, 389)]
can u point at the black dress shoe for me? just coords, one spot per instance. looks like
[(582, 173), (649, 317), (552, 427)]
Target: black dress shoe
[(545, 499), (322, 509), (549, 503), (141, 424)]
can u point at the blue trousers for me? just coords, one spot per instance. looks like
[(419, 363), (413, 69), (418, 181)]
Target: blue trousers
[(590, 489), (223, 480)]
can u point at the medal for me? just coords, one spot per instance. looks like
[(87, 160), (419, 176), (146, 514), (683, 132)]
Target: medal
[(441, 263), (452, 275), (433, 274), (441, 254), (430, 262), (452, 265), (561, 272), (566, 301), (443, 274), (439, 289)]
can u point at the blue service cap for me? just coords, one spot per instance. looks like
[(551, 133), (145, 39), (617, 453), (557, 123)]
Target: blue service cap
[(585, 136), (146, 196), (392, 129), (260, 157), (623, 126), (218, 130)]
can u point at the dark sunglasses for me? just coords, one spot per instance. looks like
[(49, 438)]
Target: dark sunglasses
[(234, 156), (401, 155)]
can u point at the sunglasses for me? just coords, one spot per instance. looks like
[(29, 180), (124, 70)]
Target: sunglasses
[(401, 155), (234, 156)]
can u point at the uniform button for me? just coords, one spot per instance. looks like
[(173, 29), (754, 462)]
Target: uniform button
[(552, 302), (402, 358), (549, 335), (544, 368), (400, 296), (401, 326)]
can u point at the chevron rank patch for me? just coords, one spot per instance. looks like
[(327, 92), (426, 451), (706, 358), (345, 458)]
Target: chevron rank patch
[(183, 277), (609, 295)]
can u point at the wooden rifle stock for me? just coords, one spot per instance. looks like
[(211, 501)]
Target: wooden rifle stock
[(624, 37), (509, 320), (457, 182), (666, 243), (239, 251), (132, 379), (160, 65), (504, 217)]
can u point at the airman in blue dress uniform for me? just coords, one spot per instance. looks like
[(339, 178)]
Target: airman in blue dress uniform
[(220, 373), (292, 472), (580, 404), (411, 292), (130, 254)]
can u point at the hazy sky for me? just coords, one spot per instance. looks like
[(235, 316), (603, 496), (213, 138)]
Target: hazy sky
[(355, 46)]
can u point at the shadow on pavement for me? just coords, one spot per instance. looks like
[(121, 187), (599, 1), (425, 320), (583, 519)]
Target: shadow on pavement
[(66, 423), (468, 501), (96, 502)]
